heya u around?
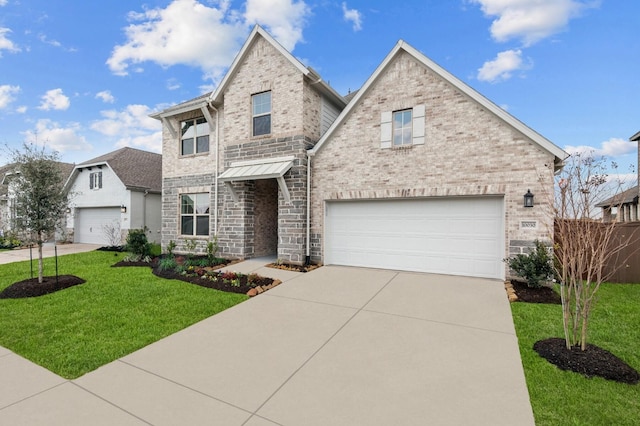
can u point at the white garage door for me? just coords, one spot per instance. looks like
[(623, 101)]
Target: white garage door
[(456, 236), (90, 224)]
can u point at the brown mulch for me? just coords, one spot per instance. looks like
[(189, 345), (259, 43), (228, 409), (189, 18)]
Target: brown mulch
[(593, 361), (527, 294), (219, 284), (293, 267), (32, 288)]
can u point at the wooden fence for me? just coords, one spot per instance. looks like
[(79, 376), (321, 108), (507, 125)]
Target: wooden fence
[(625, 267)]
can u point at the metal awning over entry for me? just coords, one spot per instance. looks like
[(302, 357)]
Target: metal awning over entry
[(267, 168)]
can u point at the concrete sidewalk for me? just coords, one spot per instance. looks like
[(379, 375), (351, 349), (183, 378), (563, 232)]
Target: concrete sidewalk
[(48, 250), (335, 346)]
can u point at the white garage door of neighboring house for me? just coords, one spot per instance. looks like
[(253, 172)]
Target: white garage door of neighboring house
[(90, 223), (456, 236)]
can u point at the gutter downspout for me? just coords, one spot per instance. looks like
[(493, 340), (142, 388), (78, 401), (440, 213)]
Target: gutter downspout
[(307, 260), (215, 190), (144, 210)]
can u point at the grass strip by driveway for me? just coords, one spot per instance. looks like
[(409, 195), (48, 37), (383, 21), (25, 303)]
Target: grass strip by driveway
[(566, 398), (116, 312)]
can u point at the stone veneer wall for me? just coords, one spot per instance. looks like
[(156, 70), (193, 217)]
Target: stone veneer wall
[(171, 190), (237, 223)]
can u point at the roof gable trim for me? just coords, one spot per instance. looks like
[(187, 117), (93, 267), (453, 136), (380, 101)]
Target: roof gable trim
[(450, 78)]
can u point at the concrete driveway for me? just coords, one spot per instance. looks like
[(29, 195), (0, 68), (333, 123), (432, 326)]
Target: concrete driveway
[(48, 250), (335, 346)]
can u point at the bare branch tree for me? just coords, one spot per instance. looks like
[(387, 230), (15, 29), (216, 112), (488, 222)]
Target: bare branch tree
[(112, 232), (584, 245)]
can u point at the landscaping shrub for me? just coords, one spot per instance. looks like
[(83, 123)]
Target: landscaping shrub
[(534, 267), (137, 243), (9, 242)]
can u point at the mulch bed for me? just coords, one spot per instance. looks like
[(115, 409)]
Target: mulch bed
[(527, 294), (591, 362), (257, 285), (32, 288), (293, 267), (221, 285)]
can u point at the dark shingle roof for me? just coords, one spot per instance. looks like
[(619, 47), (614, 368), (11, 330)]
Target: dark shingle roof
[(137, 169)]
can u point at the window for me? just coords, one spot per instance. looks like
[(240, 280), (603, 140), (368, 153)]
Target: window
[(194, 214), (95, 180), (195, 137), (261, 113), (402, 126)]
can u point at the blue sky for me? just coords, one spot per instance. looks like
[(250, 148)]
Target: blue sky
[(82, 77)]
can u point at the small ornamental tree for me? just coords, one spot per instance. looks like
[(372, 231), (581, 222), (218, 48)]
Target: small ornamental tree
[(584, 244), (39, 198)]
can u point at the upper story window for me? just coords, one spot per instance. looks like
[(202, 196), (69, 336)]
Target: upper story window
[(261, 113), (195, 137), (402, 127), (95, 180)]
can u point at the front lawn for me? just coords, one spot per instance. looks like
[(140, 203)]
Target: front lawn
[(566, 398), (117, 311)]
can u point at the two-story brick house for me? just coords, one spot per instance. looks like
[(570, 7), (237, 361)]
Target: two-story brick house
[(234, 160), (417, 171)]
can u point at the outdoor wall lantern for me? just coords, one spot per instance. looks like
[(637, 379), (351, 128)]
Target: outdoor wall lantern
[(528, 199), (123, 208), (68, 210)]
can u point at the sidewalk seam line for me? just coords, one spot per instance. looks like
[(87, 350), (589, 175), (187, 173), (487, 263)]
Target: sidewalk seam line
[(185, 387), (109, 402), (35, 394)]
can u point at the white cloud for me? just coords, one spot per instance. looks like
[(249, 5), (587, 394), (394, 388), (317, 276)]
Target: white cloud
[(3, 2), (173, 84), (502, 67), (611, 148), (185, 32), (284, 19), (54, 99), (6, 95), (190, 33), (5, 43), (132, 126), (61, 139), (106, 97), (352, 15), (22, 109), (531, 20)]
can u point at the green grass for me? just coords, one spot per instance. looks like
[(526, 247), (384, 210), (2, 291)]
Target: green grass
[(117, 311), (566, 398)]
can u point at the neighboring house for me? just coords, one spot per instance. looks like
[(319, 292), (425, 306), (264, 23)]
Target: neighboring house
[(8, 213), (624, 206), (416, 171), (114, 193)]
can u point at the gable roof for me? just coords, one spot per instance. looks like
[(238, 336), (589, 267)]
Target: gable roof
[(635, 138), (402, 46), (10, 169), (137, 169), (630, 196), (217, 95)]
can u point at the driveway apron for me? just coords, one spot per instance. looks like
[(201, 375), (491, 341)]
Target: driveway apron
[(335, 346)]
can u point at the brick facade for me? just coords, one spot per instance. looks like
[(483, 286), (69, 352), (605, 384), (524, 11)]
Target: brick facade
[(468, 151)]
